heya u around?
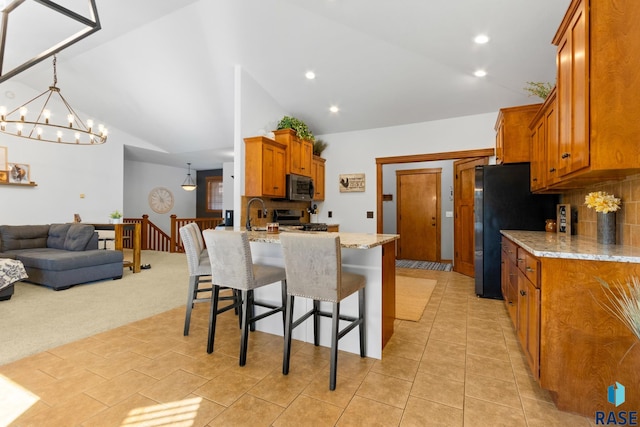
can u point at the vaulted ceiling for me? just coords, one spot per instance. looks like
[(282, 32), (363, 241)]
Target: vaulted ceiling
[(163, 70)]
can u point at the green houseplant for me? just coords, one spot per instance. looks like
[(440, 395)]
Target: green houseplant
[(116, 217), (318, 147), (539, 89), (301, 128)]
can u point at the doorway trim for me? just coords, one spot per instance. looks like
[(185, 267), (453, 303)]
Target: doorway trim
[(449, 155)]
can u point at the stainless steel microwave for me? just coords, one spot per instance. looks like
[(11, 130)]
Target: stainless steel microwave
[(299, 187)]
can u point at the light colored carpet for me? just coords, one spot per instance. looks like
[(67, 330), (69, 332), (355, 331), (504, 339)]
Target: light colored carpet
[(412, 296), (37, 318)]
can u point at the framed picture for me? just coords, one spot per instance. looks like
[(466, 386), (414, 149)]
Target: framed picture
[(19, 173), (564, 218), (4, 176), (3, 158), (351, 182)]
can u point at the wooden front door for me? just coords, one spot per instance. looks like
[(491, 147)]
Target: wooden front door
[(463, 224), (418, 214)]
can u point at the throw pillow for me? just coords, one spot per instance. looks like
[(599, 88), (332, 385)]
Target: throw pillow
[(78, 236), (57, 235)]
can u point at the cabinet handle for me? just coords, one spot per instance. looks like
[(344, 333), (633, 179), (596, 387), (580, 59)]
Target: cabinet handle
[(276, 188), (523, 293), (552, 170), (530, 270), (535, 179), (520, 259), (566, 155)]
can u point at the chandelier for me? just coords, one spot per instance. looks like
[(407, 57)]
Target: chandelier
[(35, 121), (189, 184)]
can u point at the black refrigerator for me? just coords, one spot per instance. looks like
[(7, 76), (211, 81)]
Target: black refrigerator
[(503, 201)]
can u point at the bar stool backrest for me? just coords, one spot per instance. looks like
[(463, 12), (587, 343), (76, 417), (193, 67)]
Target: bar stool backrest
[(230, 257), (193, 248), (313, 263)]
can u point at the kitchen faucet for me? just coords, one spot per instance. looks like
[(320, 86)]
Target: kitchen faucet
[(248, 223)]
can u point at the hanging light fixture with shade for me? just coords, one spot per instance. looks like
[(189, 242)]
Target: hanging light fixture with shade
[(189, 184), (44, 121)]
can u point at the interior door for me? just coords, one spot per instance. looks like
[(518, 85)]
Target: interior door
[(463, 200), (418, 214)]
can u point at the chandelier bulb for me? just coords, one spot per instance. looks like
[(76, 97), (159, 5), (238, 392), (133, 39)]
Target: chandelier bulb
[(23, 113)]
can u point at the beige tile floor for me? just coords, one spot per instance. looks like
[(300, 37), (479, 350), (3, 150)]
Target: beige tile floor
[(459, 365)]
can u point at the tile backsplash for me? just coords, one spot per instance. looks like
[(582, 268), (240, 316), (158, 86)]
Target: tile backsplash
[(627, 221)]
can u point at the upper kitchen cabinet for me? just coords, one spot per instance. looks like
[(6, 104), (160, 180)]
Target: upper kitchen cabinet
[(544, 145), (299, 152), (264, 172), (598, 85), (512, 133), (317, 174)]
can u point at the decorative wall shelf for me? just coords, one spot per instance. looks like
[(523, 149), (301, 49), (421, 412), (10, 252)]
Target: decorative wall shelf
[(31, 184)]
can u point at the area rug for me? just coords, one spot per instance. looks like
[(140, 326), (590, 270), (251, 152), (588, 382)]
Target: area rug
[(412, 296), (423, 265)]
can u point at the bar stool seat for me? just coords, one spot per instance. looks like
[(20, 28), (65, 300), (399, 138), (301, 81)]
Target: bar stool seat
[(313, 264), (232, 266)]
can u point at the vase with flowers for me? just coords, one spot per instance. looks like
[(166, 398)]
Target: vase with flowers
[(115, 217), (605, 206)]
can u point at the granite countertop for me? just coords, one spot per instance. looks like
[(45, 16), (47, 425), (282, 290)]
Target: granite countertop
[(347, 240), (556, 245)]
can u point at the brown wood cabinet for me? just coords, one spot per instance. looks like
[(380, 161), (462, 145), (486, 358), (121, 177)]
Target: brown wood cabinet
[(597, 86), (317, 174), (299, 152), (528, 326), (264, 167), (512, 133), (544, 145), (574, 347), (509, 276)]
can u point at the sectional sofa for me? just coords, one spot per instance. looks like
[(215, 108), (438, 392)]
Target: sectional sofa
[(60, 255)]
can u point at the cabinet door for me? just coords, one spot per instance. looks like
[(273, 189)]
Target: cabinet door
[(317, 174), (573, 94), (551, 142), (306, 156), (533, 329), (538, 156), (500, 142), (273, 176), (295, 155)]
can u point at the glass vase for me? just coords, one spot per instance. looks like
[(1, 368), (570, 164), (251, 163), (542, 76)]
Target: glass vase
[(606, 228)]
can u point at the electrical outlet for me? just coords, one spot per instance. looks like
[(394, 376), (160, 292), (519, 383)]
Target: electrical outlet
[(330, 214), (369, 214), (259, 213)]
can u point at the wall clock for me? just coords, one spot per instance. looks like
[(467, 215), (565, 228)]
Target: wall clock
[(161, 200)]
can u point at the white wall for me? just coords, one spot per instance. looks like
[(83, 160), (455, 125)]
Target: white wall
[(141, 178), (446, 200), (356, 152)]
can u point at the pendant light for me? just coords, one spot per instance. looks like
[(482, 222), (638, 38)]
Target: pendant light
[(189, 184)]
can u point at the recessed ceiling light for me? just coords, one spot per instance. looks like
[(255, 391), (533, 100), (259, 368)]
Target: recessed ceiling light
[(334, 109), (480, 73), (310, 75), (481, 39)]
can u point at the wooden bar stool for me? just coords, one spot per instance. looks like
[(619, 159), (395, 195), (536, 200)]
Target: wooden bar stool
[(313, 263), (232, 266)]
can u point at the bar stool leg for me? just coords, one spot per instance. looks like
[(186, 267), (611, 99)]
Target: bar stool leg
[(213, 315), (193, 283), (288, 329), (335, 328), (246, 325), (316, 323), (362, 327)]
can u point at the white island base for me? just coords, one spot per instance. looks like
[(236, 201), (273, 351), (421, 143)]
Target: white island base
[(371, 255)]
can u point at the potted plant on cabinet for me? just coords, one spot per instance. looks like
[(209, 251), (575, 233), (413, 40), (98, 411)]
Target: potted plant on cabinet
[(298, 126)]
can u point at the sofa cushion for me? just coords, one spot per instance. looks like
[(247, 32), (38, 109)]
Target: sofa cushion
[(78, 236), (60, 259), (23, 236), (57, 235)]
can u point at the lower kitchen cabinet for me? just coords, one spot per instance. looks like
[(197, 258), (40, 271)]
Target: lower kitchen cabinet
[(574, 346)]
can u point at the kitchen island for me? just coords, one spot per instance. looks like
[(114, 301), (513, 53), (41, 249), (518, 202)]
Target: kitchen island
[(371, 255), (574, 346)]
